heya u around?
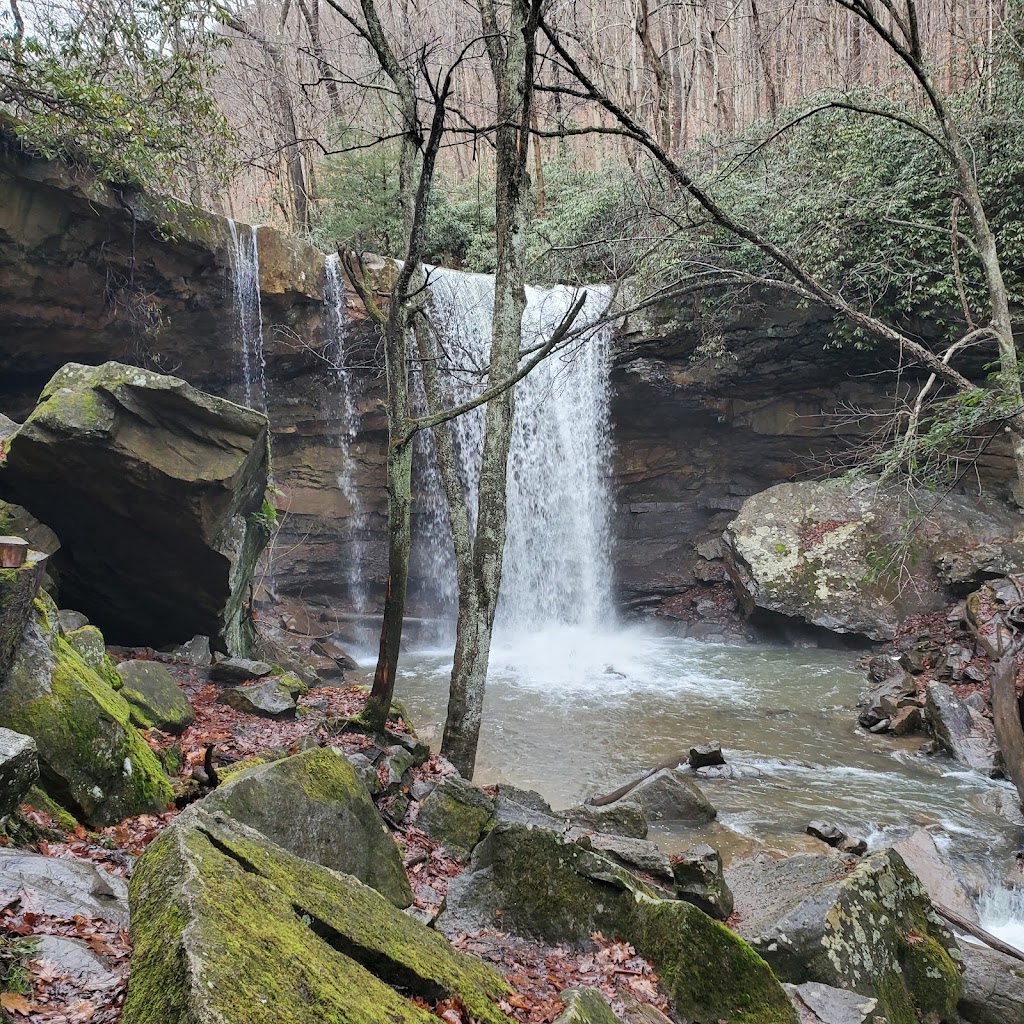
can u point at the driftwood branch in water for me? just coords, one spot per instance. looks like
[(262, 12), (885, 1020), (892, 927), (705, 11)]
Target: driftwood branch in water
[(979, 933), (618, 794)]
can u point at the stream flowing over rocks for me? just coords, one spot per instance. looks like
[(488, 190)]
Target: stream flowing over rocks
[(691, 804)]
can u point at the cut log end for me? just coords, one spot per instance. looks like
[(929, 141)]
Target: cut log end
[(13, 552)]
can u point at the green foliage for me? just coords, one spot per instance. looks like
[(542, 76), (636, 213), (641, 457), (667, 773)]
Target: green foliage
[(15, 953), (120, 87)]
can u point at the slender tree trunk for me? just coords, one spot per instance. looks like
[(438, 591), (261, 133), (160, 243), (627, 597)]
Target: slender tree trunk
[(512, 59)]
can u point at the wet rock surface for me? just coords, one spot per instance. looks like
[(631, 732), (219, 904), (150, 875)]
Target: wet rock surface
[(19, 768)]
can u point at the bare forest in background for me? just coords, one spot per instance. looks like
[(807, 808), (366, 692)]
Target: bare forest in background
[(696, 71)]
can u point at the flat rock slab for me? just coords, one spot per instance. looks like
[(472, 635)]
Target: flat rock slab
[(19, 768), (153, 488), (827, 1005), (73, 957), (156, 699), (239, 670), (229, 927), (49, 885)]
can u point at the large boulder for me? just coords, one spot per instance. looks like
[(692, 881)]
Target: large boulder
[(534, 882), (840, 554), (155, 490), (18, 589), (92, 760), (671, 795), (315, 806), (871, 930), (227, 927)]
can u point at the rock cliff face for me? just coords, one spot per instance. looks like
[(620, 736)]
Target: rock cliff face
[(89, 273)]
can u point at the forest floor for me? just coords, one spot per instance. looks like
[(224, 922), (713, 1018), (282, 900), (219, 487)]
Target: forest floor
[(40, 991)]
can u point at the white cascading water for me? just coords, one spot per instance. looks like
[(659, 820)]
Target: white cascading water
[(1001, 913), (344, 418), (245, 273), (557, 569)]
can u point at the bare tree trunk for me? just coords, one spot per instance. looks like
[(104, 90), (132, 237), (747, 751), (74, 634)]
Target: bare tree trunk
[(512, 59)]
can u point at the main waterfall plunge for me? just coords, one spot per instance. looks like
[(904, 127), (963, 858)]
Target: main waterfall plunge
[(557, 566)]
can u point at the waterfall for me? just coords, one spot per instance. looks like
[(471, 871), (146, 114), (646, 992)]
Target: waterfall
[(557, 568), (344, 419), (245, 267)]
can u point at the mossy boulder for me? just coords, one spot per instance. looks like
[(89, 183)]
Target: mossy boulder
[(154, 489), (314, 805), (269, 698), (534, 882), (156, 699), (839, 553), (88, 642), (871, 930), (455, 814), (91, 759), (229, 928)]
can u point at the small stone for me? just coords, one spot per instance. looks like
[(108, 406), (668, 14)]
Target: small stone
[(266, 698), (195, 652), (857, 847), (19, 768), (913, 662), (907, 720), (421, 789), (239, 670), (705, 755), (831, 834), (699, 880), (880, 726)]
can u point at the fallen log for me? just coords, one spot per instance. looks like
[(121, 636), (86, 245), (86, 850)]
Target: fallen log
[(978, 932)]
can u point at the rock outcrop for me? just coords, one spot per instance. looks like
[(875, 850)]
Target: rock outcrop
[(228, 926), (19, 768), (156, 491), (858, 557)]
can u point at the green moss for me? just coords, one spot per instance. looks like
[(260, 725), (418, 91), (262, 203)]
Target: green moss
[(456, 814), (88, 642), (91, 757), (270, 936), (253, 761), (709, 972), (41, 801)]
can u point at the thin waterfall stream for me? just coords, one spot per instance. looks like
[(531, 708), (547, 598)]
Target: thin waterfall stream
[(578, 702)]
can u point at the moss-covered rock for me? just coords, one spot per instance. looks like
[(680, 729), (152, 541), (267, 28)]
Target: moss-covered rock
[(229, 928), (269, 698), (89, 643), (314, 805), (871, 931), (156, 699), (708, 971), (534, 882), (152, 487), (91, 759), (455, 814), (586, 1006), (40, 801)]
